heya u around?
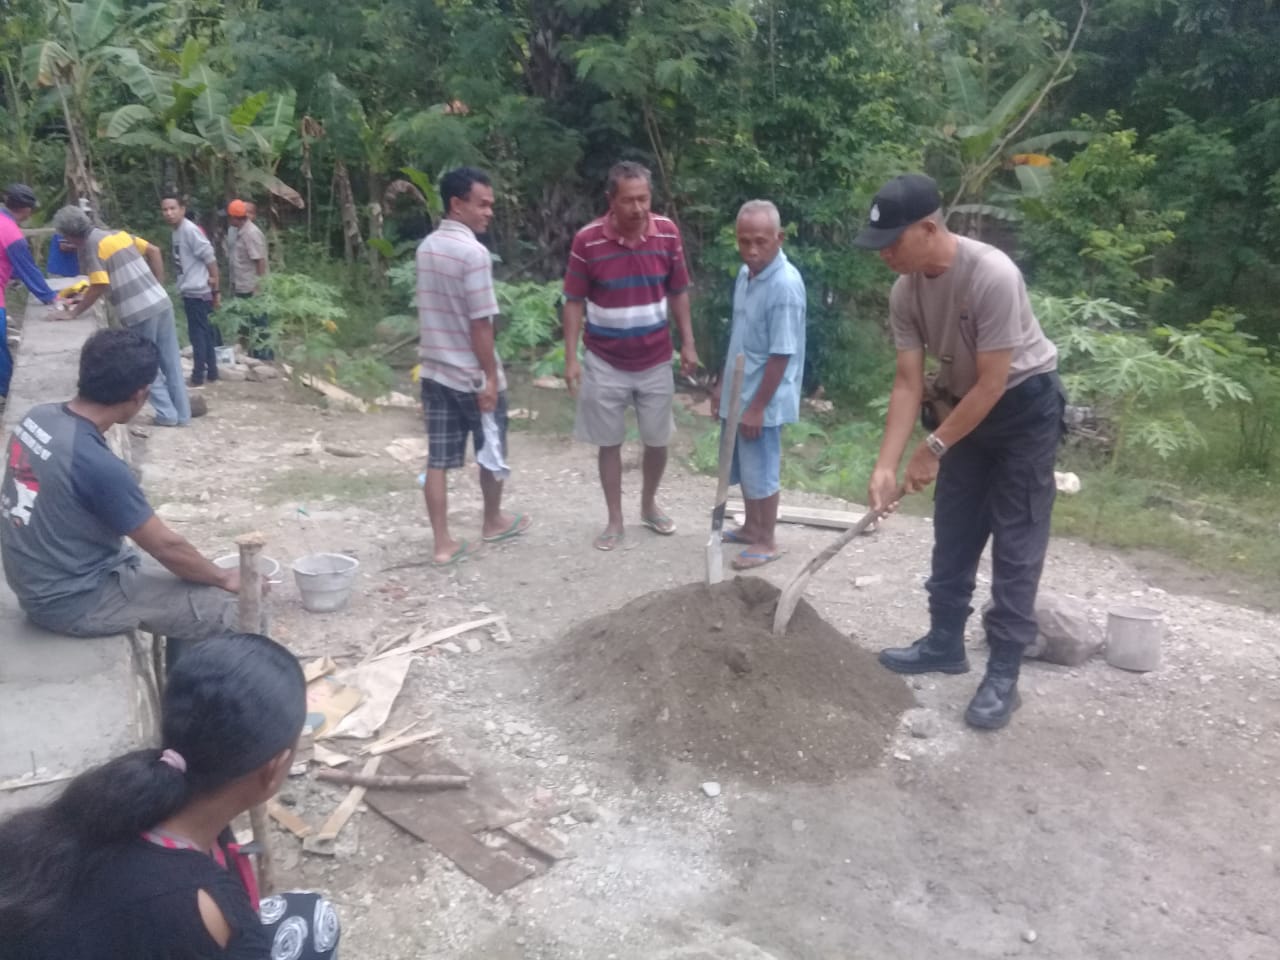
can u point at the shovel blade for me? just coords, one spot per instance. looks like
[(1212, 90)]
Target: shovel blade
[(715, 560)]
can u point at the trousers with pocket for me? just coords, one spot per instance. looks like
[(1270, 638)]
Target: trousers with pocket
[(997, 484), (145, 596)]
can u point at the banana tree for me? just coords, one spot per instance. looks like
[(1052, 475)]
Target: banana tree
[(188, 115), (82, 42), (983, 136)]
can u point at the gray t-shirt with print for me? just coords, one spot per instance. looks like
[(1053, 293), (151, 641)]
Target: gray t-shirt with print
[(978, 305), (66, 504)]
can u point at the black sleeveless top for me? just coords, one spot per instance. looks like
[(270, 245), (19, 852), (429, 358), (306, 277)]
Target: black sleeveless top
[(137, 900)]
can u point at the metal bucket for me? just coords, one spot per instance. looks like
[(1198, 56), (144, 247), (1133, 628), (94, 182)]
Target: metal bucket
[(266, 566), (1133, 638), (325, 580)]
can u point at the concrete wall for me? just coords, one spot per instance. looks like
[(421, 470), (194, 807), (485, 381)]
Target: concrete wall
[(65, 704)]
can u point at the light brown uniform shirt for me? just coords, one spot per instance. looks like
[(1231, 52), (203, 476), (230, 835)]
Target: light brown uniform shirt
[(250, 245), (977, 306)]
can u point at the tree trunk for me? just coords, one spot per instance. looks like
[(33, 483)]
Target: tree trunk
[(352, 241), (78, 170), (377, 269)]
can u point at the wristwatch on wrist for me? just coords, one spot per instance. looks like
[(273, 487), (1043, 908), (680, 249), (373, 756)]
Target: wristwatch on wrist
[(935, 445)]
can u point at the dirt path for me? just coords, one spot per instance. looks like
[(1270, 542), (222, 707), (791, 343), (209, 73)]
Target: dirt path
[(1121, 816)]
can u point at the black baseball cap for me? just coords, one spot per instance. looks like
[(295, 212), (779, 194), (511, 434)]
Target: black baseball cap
[(901, 202), (20, 195)]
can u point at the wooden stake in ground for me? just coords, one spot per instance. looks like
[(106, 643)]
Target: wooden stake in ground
[(250, 621), (728, 438)]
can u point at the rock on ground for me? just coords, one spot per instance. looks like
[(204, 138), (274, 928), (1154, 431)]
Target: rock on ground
[(1066, 636)]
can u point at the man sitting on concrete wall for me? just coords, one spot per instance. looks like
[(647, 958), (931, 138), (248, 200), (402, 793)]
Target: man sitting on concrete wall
[(67, 503)]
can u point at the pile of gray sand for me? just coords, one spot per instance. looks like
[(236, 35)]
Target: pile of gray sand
[(694, 676)]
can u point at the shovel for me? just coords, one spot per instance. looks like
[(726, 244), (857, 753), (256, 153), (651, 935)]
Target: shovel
[(715, 551), (792, 592)]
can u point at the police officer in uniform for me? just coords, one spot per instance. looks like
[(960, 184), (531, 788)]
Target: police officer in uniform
[(994, 408)]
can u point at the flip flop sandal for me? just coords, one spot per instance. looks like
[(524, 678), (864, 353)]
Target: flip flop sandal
[(746, 560), (465, 549), (519, 525), (732, 536), (661, 524), (608, 541)]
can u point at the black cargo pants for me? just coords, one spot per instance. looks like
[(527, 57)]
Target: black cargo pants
[(997, 483)]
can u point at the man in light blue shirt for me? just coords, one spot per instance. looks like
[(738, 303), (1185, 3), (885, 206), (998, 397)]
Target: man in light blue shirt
[(769, 328)]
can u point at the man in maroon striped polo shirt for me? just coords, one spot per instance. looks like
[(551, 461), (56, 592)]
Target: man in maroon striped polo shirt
[(626, 271)]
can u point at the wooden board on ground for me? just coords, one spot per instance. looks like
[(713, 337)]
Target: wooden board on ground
[(539, 838), (482, 806), (809, 516), (288, 819), (494, 869), (449, 820)]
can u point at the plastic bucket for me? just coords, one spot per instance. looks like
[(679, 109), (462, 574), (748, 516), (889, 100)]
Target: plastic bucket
[(325, 580), (266, 566), (225, 355), (1133, 638)]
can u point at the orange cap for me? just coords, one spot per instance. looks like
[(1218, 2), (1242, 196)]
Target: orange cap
[(236, 208)]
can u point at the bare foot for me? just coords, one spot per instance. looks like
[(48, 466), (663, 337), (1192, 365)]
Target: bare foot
[(506, 526), (656, 519), (452, 551)]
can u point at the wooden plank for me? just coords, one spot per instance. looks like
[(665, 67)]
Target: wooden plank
[(322, 841), (399, 743), (330, 758), (539, 838), (327, 389), (809, 516), (420, 783), (288, 819), (318, 668), (437, 636), (391, 736), (482, 806), (494, 869), (22, 783)]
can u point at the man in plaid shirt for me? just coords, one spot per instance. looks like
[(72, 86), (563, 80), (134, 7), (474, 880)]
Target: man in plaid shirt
[(464, 389)]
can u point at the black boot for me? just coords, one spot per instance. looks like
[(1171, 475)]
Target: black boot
[(941, 650), (997, 696)]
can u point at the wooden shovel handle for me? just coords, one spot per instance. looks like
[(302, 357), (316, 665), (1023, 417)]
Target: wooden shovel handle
[(790, 595), (730, 435)]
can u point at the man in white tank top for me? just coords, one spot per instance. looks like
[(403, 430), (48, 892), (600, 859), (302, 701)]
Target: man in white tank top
[(994, 406)]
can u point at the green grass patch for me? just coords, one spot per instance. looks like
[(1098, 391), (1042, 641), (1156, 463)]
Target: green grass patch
[(316, 486), (1225, 526), (1210, 527)]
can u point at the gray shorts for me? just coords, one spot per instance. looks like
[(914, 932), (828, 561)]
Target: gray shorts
[(150, 598), (607, 392)]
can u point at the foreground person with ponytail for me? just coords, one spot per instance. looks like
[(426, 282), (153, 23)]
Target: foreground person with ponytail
[(129, 863)]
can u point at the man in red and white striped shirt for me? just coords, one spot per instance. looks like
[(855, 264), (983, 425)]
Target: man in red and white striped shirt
[(626, 271), (463, 383)]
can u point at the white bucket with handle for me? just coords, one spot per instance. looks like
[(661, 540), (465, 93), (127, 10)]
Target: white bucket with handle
[(325, 580), (270, 569), (1133, 638)]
